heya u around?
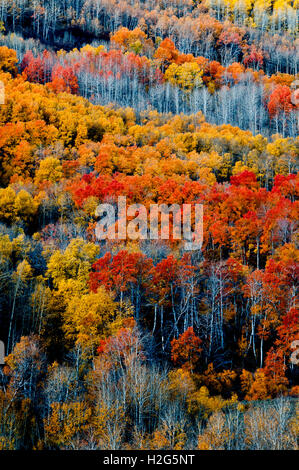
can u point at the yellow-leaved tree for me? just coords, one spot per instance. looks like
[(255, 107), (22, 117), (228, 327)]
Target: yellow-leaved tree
[(50, 170), (187, 76), (87, 318)]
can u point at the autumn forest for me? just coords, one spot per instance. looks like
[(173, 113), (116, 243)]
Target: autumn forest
[(139, 344)]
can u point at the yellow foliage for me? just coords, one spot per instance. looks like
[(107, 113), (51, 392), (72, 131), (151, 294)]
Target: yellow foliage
[(202, 404), (180, 383), (24, 271), (87, 318), (50, 170), (7, 201), (25, 206), (75, 263), (14, 207), (66, 424), (8, 60), (216, 435), (187, 76)]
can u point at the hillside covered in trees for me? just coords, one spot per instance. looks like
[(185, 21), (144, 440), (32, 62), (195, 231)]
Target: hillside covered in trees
[(142, 344)]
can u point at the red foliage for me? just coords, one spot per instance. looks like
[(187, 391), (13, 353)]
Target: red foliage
[(280, 101), (185, 351), (64, 80), (288, 331), (287, 186), (119, 272), (246, 178), (36, 69), (254, 58)]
